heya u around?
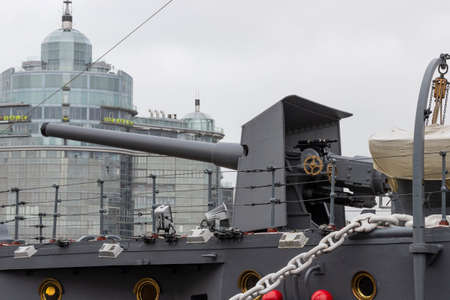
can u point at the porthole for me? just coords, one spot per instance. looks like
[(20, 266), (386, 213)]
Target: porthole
[(50, 289), (364, 286), (247, 280), (147, 289)]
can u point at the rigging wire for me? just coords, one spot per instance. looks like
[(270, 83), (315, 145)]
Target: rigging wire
[(140, 214), (231, 205), (171, 191), (176, 175), (118, 223)]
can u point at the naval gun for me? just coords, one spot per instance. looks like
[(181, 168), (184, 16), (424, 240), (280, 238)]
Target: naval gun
[(291, 146)]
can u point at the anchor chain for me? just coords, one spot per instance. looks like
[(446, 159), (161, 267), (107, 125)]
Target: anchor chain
[(362, 223)]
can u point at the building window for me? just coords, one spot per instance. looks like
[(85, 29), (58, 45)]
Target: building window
[(36, 112), (27, 81), (104, 83), (53, 80), (81, 81), (78, 113), (94, 114), (51, 112)]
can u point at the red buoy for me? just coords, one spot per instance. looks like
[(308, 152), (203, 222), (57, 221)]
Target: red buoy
[(321, 295), (273, 295)]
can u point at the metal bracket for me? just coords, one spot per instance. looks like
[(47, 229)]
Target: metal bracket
[(318, 269), (426, 114), (432, 250), (293, 240), (210, 255)]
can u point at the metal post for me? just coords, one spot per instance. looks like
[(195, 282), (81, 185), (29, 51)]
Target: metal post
[(55, 211), (101, 211), (272, 198), (218, 199), (210, 201), (153, 177), (331, 224), (17, 218), (41, 226), (419, 256), (444, 190)]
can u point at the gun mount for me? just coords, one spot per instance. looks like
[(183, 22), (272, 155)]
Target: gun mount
[(296, 138)]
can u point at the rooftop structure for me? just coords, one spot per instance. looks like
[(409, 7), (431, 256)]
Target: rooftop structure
[(67, 86)]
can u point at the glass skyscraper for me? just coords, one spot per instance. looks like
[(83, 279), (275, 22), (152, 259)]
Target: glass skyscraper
[(65, 85)]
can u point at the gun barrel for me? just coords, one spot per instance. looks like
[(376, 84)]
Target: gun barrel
[(222, 154)]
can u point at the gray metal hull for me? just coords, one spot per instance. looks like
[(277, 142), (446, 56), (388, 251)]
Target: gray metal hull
[(184, 270)]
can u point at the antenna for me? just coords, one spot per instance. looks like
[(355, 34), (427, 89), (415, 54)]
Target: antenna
[(197, 100), (68, 9), (67, 16), (197, 93), (197, 105)]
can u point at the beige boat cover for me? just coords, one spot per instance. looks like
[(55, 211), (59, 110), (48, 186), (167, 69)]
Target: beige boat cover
[(392, 152)]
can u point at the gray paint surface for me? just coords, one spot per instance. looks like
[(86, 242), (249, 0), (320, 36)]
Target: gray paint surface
[(265, 141), (268, 137), (264, 136), (181, 271), (418, 178)]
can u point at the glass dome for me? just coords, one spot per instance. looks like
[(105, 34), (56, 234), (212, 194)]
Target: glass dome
[(199, 121), (66, 50)]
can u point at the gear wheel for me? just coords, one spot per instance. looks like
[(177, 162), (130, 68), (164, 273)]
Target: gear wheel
[(313, 165)]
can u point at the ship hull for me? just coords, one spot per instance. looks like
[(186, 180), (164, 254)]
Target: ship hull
[(212, 270)]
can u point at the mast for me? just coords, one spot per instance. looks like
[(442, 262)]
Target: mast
[(419, 248)]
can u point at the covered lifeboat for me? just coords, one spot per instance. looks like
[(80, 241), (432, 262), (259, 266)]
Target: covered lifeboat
[(392, 151)]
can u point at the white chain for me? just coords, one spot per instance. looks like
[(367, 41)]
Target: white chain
[(362, 223)]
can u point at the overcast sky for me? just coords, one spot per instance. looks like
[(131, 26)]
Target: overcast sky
[(364, 57)]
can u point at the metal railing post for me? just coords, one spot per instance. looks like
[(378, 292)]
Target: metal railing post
[(272, 198), (55, 211), (444, 190), (418, 245), (210, 202), (101, 211), (332, 224), (41, 226), (219, 199), (17, 217), (153, 177)]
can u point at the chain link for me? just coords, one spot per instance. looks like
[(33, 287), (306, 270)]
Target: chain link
[(362, 223)]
